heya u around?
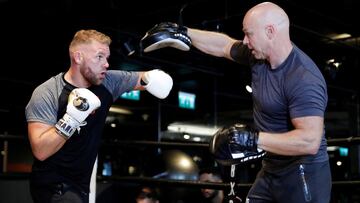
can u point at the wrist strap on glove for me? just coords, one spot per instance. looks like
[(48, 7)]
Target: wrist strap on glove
[(67, 125)]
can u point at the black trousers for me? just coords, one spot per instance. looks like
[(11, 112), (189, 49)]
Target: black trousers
[(300, 183), (57, 193)]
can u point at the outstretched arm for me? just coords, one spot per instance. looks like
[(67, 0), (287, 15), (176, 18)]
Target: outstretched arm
[(138, 85), (169, 34), (213, 43), (156, 82)]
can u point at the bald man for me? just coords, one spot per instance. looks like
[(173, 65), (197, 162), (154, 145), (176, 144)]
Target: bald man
[(290, 99)]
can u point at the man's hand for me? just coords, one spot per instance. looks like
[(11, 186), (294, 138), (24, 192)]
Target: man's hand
[(235, 144), (157, 82), (81, 103)]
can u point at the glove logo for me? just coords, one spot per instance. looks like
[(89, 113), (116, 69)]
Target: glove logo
[(81, 104)]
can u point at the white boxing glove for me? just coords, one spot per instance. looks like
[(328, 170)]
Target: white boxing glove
[(81, 103), (158, 83)]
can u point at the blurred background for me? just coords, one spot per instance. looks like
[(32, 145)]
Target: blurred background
[(208, 92)]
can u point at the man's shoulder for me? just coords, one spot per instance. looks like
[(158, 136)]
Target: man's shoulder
[(52, 84), (51, 81)]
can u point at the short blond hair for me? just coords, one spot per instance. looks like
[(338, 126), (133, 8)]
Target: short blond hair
[(88, 36)]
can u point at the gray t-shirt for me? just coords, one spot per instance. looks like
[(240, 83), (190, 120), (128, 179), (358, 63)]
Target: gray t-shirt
[(294, 89), (74, 161)]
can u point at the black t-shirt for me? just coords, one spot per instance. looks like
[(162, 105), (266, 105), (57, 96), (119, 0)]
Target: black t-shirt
[(74, 162)]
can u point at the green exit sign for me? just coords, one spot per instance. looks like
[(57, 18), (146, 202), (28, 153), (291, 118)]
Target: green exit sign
[(132, 95), (186, 100), (344, 151)]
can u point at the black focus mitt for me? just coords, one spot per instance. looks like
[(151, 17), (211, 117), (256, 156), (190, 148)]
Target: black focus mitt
[(235, 144), (166, 34)]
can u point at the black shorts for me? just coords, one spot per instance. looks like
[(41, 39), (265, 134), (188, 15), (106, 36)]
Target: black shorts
[(57, 193), (297, 184)]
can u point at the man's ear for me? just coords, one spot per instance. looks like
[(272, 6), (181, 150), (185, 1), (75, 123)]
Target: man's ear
[(78, 57), (270, 31)]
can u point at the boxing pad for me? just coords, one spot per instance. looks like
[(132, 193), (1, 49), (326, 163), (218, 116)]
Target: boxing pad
[(157, 82), (166, 34), (81, 102), (235, 144)]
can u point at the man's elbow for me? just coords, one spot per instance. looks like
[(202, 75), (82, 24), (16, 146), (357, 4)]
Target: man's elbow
[(313, 148), (40, 155), (313, 151)]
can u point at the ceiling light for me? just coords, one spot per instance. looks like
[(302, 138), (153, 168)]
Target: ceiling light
[(340, 36), (332, 148), (248, 88), (128, 48), (115, 109), (197, 139), (186, 136)]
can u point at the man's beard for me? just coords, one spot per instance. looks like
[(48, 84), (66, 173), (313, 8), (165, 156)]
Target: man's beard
[(91, 76), (213, 195)]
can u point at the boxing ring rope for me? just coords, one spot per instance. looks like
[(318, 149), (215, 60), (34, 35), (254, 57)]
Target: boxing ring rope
[(344, 141), (353, 140), (198, 184), (134, 143), (195, 184), (176, 183), (170, 182)]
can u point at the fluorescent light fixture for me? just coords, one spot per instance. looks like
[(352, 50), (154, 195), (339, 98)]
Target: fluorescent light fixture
[(192, 129), (332, 148), (119, 110), (197, 139)]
